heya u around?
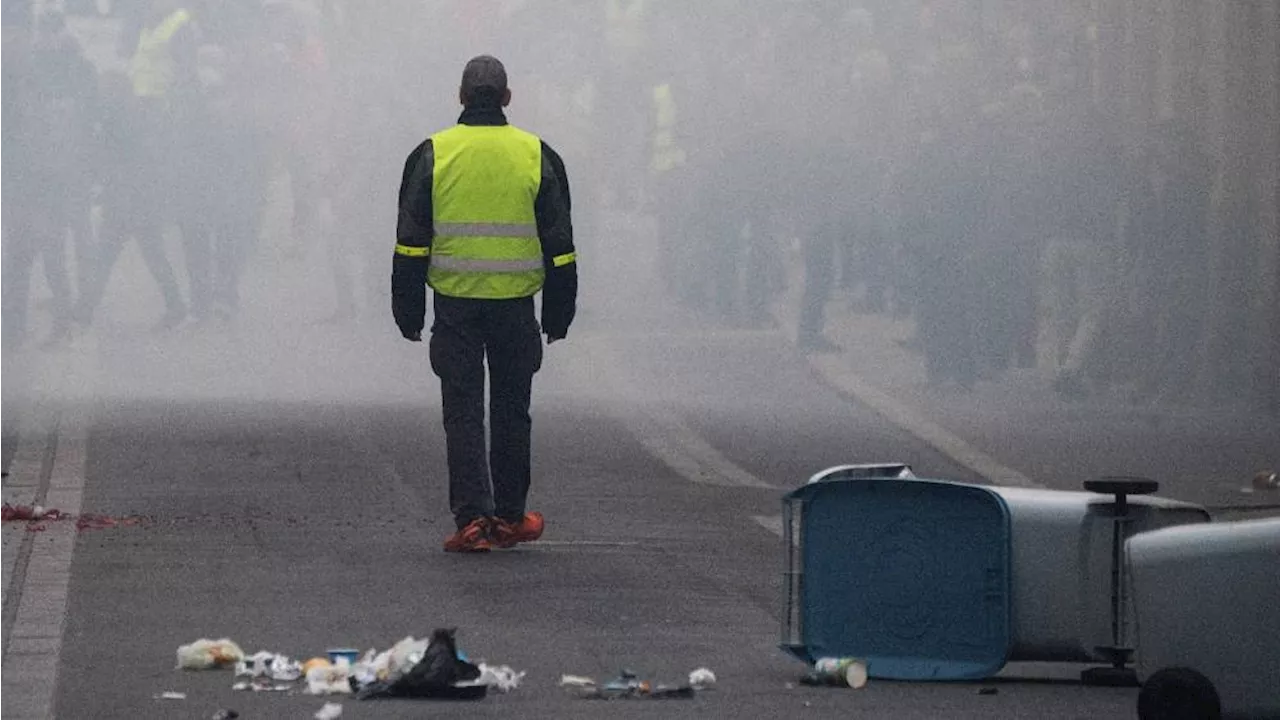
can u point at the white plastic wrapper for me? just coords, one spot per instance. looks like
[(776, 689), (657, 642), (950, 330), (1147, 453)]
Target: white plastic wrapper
[(329, 680), (285, 670), (576, 681), (205, 654), (330, 711), (501, 677), (702, 678)]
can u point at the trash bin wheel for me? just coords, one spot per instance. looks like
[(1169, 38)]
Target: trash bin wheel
[(1178, 694)]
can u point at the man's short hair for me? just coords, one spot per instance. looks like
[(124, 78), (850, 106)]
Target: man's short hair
[(484, 81)]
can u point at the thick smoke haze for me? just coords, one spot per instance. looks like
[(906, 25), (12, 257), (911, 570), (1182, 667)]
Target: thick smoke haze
[(1083, 190)]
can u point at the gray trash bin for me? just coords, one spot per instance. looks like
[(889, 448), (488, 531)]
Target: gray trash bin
[(1062, 568), (1207, 600)]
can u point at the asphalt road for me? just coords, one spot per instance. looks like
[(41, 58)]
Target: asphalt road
[(294, 494)]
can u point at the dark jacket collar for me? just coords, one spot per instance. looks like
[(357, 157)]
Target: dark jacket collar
[(482, 116)]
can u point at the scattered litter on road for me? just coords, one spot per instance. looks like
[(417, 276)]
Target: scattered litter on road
[(837, 672), (411, 668), (36, 515), (226, 714), (170, 695), (1266, 481), (702, 679), (627, 686), (330, 711), (206, 654), (988, 691)]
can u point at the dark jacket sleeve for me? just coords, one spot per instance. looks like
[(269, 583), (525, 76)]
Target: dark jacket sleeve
[(413, 243), (555, 231)]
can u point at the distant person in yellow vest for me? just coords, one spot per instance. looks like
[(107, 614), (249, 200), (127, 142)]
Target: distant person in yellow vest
[(484, 220), (164, 56), (166, 86)]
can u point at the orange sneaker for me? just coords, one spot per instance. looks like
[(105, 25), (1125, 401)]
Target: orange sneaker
[(508, 534), (470, 539)]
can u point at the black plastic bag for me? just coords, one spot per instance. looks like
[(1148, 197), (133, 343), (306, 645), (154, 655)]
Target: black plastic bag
[(436, 676)]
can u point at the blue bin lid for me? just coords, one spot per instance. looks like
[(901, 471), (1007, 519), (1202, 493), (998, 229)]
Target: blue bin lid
[(911, 576)]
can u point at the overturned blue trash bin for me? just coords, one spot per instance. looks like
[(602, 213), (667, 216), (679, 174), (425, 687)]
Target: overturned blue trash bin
[(936, 580), (910, 576)]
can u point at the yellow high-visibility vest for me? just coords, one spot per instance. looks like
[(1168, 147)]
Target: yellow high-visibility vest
[(665, 153), (152, 69), (484, 183)]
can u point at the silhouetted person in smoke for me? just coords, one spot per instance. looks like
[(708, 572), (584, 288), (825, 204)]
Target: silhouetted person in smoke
[(128, 210), (49, 98), (828, 197), (1170, 218), (1077, 252), (1014, 229), (228, 162), (14, 58), (943, 214), (723, 262)]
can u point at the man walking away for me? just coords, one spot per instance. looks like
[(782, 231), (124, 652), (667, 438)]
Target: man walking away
[(484, 220)]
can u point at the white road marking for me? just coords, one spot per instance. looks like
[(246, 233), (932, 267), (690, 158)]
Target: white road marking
[(34, 645), (669, 438), (772, 523), (663, 433), (838, 373)]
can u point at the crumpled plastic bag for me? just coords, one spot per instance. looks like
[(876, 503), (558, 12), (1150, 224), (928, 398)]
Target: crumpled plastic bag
[(439, 674), (501, 677), (206, 654), (401, 658)]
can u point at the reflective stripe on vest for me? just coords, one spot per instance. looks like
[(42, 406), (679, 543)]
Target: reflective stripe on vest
[(151, 67), (412, 251), (483, 186)]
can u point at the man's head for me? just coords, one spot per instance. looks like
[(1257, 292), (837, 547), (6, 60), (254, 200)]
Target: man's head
[(484, 84)]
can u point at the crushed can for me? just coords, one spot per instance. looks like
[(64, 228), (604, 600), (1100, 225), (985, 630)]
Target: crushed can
[(840, 672)]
